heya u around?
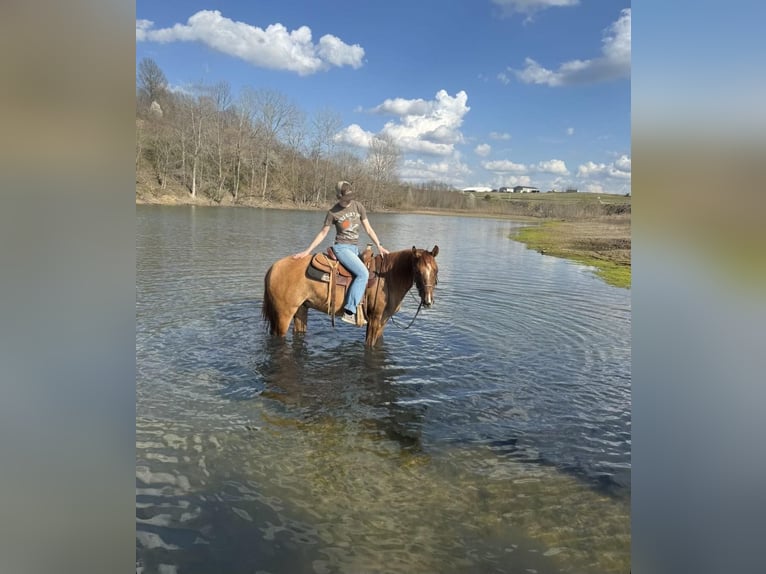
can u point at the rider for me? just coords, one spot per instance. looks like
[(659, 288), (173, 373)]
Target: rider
[(347, 215)]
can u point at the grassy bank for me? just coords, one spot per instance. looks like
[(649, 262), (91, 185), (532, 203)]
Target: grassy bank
[(601, 243)]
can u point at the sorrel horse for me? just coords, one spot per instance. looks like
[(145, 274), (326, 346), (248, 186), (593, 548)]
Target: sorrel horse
[(289, 291)]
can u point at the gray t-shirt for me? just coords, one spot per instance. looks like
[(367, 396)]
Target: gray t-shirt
[(347, 221)]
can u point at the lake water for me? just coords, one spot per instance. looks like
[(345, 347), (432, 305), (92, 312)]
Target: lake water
[(494, 435)]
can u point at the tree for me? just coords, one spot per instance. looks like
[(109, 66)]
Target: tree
[(383, 159), (151, 81), (198, 113), (324, 127), (220, 96), (295, 140), (274, 113)]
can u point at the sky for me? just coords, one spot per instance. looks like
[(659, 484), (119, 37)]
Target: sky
[(476, 93)]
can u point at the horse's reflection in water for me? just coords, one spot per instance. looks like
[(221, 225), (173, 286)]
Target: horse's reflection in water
[(347, 385)]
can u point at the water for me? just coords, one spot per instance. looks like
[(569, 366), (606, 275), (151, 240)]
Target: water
[(491, 436)]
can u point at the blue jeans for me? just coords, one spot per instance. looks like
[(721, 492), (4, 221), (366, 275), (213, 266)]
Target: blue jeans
[(348, 255)]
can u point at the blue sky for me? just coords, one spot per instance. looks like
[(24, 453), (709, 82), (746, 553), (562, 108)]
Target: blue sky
[(475, 92)]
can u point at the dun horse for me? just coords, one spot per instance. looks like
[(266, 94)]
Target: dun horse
[(290, 290)]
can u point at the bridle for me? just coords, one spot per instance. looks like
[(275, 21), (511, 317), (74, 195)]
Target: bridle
[(421, 284)]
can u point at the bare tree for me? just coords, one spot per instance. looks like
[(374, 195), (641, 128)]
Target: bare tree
[(198, 113), (220, 96), (151, 81), (273, 114), (245, 112), (295, 140), (139, 142), (325, 126), (383, 159)]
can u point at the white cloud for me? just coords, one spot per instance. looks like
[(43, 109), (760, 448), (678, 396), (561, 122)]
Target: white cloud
[(274, 48), (355, 136), (337, 53), (422, 126), (483, 150), (618, 169), (570, 131), (514, 180), (141, 28), (590, 168), (443, 134), (402, 107), (499, 136), (529, 7), (622, 163), (594, 188), (613, 64), (186, 90), (553, 166), (504, 166), (449, 170)]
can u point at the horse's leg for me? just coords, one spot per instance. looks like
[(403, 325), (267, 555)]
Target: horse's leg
[(282, 324), (300, 319), (376, 322), (374, 331), (376, 304)]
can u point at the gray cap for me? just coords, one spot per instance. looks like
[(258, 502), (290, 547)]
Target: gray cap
[(343, 187)]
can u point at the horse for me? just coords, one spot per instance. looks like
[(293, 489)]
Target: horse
[(289, 291)]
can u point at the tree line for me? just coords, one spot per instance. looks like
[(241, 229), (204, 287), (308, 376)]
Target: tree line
[(259, 148)]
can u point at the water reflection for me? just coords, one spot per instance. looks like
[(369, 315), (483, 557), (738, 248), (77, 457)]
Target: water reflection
[(348, 382), (482, 439)]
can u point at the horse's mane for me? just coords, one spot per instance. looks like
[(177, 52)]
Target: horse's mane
[(396, 268)]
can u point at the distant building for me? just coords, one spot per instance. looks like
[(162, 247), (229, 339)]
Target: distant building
[(525, 189), (571, 190), (504, 190), (479, 188)]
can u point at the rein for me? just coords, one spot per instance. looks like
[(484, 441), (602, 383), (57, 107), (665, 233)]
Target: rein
[(420, 306), (391, 318)]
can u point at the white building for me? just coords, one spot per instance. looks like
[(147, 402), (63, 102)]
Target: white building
[(525, 189)]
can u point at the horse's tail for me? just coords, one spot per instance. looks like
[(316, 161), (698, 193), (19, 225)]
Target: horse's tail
[(268, 311)]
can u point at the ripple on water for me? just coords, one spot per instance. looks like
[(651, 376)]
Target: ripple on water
[(483, 438)]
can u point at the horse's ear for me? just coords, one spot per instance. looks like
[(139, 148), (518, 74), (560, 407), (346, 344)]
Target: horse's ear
[(414, 250), (435, 251)]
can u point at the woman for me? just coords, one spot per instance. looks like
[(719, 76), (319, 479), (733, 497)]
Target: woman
[(347, 215)]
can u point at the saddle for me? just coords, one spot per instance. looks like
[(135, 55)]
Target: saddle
[(325, 267)]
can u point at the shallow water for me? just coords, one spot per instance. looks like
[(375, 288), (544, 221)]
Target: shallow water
[(492, 436)]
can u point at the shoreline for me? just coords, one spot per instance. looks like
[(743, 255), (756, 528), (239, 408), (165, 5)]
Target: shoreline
[(603, 243), (173, 201)]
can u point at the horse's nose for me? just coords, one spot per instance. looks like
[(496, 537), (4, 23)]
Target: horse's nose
[(429, 300)]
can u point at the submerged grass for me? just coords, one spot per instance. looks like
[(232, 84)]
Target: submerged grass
[(603, 244)]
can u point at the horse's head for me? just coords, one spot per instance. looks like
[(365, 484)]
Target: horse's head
[(426, 273)]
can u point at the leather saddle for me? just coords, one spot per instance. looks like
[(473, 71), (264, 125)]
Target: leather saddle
[(325, 265)]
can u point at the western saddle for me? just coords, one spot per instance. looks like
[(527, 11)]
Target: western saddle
[(325, 267)]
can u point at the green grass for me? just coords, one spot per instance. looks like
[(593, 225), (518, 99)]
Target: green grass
[(545, 239)]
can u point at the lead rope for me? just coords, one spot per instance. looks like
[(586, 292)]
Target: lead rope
[(391, 318)]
